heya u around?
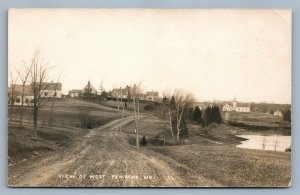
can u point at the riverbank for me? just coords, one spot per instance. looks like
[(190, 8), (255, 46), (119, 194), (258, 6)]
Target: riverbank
[(231, 166), (211, 152)]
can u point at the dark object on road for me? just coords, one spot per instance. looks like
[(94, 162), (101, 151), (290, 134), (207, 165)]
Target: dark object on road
[(143, 142), (288, 149)]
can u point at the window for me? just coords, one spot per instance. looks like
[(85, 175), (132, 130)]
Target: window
[(55, 94), (18, 100), (46, 94)]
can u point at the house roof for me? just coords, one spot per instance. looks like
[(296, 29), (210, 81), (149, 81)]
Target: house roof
[(28, 88), (238, 104), (19, 89), (91, 87), (152, 93), (75, 91), (52, 86), (242, 104), (119, 91)]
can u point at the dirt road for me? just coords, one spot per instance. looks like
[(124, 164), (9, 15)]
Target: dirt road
[(103, 158)]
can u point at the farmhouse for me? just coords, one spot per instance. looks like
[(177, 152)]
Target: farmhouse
[(277, 113), (52, 90), (75, 93), (119, 93), (89, 90), (238, 107), (17, 99), (152, 96)]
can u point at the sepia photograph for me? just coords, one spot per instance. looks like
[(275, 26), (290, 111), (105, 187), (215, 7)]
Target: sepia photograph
[(149, 97)]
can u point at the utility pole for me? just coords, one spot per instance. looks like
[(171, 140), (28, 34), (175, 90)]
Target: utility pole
[(122, 110), (135, 121)]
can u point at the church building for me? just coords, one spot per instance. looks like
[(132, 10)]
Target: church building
[(235, 106)]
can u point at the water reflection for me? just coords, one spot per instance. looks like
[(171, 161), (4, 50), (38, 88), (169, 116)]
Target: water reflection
[(266, 142)]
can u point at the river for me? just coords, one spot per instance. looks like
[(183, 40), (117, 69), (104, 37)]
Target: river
[(266, 142)]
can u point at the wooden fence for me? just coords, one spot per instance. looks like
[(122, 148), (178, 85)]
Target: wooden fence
[(46, 122)]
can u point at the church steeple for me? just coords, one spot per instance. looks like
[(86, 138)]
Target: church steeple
[(234, 103)]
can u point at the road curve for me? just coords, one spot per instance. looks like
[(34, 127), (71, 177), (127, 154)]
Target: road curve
[(103, 158)]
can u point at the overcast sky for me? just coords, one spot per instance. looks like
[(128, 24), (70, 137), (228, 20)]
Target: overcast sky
[(216, 54)]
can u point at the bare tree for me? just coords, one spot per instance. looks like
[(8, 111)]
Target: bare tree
[(101, 90), (53, 100), (24, 74), (163, 112), (13, 82), (38, 75), (122, 116), (123, 107), (171, 125), (136, 90), (183, 100), (88, 91), (101, 86)]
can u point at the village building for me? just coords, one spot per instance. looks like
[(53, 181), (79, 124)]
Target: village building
[(17, 99), (74, 93), (88, 90), (152, 96), (236, 106), (278, 113), (49, 90), (119, 93), (52, 90)]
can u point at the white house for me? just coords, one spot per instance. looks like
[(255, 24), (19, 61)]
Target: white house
[(89, 90), (49, 90), (238, 107), (17, 99), (52, 90), (119, 93), (277, 113), (75, 93)]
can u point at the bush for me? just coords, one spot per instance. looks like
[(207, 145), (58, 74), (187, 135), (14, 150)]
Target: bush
[(212, 115), (87, 121), (287, 116), (143, 142), (156, 104), (198, 115), (184, 130), (149, 107)]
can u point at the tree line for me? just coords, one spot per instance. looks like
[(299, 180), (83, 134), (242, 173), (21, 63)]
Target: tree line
[(269, 108), (36, 73), (178, 107)]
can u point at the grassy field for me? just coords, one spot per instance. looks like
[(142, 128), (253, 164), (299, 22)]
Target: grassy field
[(259, 117), (208, 156), (68, 112), (233, 167), (23, 145), (211, 152), (67, 115)]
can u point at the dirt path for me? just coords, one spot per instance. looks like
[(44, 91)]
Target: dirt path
[(103, 157)]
